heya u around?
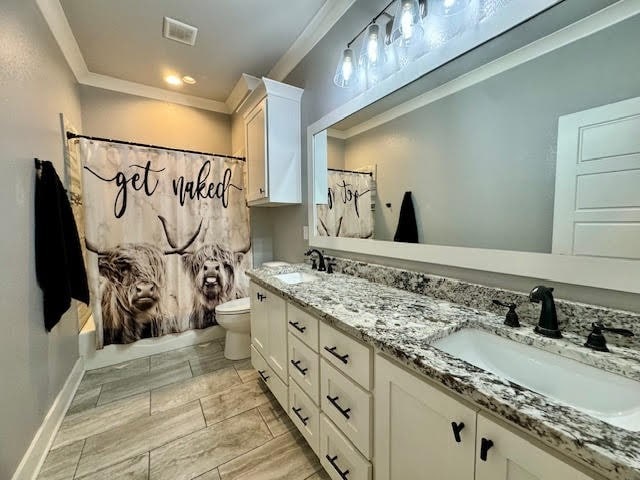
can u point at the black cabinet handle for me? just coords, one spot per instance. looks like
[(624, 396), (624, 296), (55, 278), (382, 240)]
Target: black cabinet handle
[(457, 428), (296, 363), (263, 376), (297, 326), (297, 411), (334, 402), (485, 445), (261, 297), (332, 351), (332, 461)]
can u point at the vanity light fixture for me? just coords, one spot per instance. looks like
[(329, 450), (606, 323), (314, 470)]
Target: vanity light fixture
[(376, 58), (407, 22)]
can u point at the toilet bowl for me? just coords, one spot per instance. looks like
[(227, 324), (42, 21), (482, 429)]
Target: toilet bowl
[(235, 317)]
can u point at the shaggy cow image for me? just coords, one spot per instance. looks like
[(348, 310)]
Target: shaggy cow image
[(213, 272), (134, 279), (216, 278), (132, 291)]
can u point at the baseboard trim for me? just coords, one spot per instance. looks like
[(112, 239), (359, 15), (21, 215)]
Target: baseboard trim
[(31, 463)]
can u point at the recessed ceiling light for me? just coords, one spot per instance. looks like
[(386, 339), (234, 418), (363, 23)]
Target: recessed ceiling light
[(173, 80), (189, 80)]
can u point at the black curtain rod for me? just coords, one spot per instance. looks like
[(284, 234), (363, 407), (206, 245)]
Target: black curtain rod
[(349, 171), (71, 135)]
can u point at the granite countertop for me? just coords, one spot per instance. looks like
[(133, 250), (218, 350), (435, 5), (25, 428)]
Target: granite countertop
[(404, 324)]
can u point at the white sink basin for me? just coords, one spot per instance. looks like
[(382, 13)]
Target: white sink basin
[(296, 277), (611, 398)]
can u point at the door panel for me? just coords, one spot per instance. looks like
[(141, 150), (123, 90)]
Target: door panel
[(259, 320), (256, 135), (414, 436)]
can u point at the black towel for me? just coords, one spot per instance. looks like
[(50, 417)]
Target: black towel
[(407, 230), (59, 265)]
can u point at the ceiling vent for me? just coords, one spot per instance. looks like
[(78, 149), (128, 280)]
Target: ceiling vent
[(178, 31)]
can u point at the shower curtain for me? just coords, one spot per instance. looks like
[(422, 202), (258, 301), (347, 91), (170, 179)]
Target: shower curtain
[(167, 235), (348, 212)]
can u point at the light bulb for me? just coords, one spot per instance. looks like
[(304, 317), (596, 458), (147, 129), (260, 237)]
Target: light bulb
[(372, 45), (173, 80), (406, 21), (347, 68), (449, 3)]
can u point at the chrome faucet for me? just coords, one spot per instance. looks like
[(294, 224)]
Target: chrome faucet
[(321, 265), (548, 323)]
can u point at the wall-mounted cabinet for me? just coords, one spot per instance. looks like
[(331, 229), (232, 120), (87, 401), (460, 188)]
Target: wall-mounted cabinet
[(272, 144)]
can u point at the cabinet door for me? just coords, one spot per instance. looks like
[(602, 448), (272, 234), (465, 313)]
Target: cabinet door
[(256, 135), (414, 437), (259, 319), (277, 354), (511, 457)]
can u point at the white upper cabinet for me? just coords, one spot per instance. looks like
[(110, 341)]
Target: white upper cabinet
[(273, 145)]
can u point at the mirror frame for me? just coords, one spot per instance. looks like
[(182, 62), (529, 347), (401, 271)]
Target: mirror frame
[(598, 272)]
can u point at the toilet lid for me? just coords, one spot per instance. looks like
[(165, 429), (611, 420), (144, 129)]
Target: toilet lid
[(241, 305), (275, 264)]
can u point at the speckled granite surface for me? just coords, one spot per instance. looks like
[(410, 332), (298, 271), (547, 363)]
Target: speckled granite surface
[(573, 316), (402, 324)]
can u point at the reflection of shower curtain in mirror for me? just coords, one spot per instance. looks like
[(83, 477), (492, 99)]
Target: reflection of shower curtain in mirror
[(348, 212)]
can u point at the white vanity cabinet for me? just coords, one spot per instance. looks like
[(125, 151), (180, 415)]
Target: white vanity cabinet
[(511, 457), (415, 437), (272, 144), (269, 333)]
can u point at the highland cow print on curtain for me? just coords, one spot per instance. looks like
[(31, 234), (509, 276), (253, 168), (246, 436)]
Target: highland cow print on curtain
[(168, 238), (348, 212)]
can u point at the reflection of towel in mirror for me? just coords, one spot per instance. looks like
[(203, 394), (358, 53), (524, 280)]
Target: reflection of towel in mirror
[(407, 230), (348, 211)]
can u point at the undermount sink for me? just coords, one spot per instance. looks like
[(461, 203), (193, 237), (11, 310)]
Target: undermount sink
[(296, 277), (609, 397)]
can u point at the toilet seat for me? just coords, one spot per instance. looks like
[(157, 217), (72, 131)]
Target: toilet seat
[(234, 307)]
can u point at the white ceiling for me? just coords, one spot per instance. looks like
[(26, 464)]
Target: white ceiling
[(123, 39)]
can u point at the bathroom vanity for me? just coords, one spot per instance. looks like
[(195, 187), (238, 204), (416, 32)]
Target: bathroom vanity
[(361, 369)]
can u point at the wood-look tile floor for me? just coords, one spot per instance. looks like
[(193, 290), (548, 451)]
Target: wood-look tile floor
[(184, 414)]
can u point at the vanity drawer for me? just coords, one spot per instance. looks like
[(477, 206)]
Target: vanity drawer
[(348, 406), (338, 456), (304, 368), (346, 354), (305, 415), (303, 326), (277, 386)]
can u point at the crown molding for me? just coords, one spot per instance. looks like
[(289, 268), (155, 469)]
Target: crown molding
[(133, 88), (241, 91), (317, 28), (319, 25), (61, 30)]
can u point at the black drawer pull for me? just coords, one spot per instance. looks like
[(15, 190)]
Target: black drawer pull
[(263, 376), (334, 402), (297, 411), (342, 358), (485, 445), (457, 428), (332, 461), (296, 363), (297, 326), (261, 297)]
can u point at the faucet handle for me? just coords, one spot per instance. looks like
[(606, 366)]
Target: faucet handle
[(597, 341), (511, 319), (330, 266)]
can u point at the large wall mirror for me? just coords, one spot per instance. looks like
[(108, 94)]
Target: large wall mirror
[(529, 166)]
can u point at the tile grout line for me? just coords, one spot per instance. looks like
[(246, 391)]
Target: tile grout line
[(75, 470)]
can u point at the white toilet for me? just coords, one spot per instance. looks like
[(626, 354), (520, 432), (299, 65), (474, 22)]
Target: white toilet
[(235, 317)]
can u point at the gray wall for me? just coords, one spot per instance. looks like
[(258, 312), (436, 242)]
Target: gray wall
[(128, 117), (35, 86), (314, 74), (481, 162)]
